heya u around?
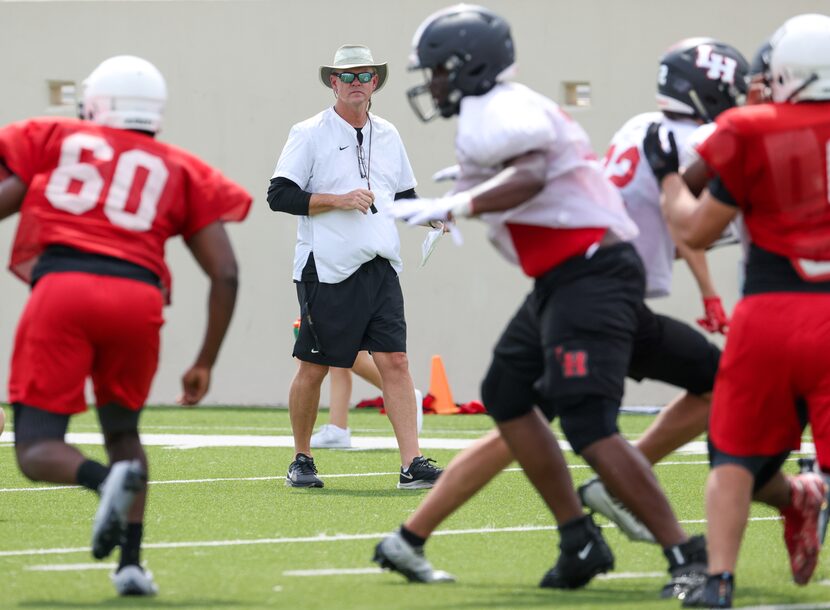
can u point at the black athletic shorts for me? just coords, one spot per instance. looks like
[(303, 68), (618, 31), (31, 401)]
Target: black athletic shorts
[(363, 312), (574, 333), (673, 352)]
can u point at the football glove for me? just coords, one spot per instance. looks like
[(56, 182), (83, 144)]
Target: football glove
[(663, 162), (714, 317), (448, 173), (424, 210)]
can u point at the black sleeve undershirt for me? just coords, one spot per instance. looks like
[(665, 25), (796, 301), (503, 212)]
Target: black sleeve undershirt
[(407, 194), (718, 190), (285, 195)]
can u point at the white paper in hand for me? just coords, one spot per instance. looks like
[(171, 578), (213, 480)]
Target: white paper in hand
[(429, 244), (432, 240)]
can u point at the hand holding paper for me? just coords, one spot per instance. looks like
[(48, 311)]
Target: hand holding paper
[(431, 240)]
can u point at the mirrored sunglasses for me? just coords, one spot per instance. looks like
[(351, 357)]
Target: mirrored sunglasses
[(348, 77)]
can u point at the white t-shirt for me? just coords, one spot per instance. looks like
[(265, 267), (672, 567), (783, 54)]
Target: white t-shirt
[(630, 172), (320, 156), (511, 120)]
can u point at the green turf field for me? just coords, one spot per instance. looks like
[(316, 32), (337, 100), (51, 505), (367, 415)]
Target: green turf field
[(222, 530)]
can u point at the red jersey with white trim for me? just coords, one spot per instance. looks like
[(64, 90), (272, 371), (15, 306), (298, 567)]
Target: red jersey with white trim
[(577, 206), (773, 160), (110, 191)]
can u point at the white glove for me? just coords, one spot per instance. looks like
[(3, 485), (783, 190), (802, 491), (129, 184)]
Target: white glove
[(448, 173), (422, 211)]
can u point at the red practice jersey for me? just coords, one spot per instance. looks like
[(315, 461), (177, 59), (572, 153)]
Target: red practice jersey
[(110, 191), (773, 159)]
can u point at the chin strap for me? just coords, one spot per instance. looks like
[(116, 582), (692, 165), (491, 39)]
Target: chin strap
[(813, 78)]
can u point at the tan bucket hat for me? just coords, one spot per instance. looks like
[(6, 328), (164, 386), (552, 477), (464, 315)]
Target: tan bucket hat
[(353, 56)]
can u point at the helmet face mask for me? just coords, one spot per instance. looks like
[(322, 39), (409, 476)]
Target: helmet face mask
[(800, 60), (701, 78), (760, 77), (462, 50), (125, 92), (435, 96)]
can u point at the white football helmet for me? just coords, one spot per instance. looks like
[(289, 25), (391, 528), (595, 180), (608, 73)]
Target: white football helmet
[(800, 59), (125, 92)]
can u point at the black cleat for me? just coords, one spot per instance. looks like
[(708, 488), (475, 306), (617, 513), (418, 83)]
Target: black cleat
[(715, 592), (396, 554), (118, 492), (583, 554), (302, 472), (687, 566)]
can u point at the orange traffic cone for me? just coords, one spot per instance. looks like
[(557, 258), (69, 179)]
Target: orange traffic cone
[(439, 387)]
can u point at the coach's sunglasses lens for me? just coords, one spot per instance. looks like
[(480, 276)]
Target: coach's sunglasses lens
[(348, 77)]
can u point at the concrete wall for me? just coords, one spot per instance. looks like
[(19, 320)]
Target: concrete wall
[(240, 73)]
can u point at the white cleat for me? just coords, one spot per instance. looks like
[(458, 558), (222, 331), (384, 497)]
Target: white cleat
[(118, 492), (330, 436), (395, 553), (132, 580), (594, 496)]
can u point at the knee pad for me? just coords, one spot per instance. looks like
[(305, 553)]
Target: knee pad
[(587, 419), (118, 421), (506, 394), (32, 424), (761, 467)]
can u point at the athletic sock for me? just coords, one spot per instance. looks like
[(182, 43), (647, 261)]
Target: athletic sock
[(573, 533), (131, 549), (412, 538), (91, 474)]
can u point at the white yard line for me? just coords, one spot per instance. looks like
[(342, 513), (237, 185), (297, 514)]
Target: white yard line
[(311, 539), (333, 572), (353, 571), (281, 477), (625, 575), (70, 567), (811, 606), (192, 441)]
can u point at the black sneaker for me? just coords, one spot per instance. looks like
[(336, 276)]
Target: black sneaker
[(583, 554), (421, 474), (715, 592), (302, 472), (687, 566)]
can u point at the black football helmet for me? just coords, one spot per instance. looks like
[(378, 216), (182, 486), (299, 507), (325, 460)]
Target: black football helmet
[(462, 50), (760, 76), (760, 62), (701, 77)]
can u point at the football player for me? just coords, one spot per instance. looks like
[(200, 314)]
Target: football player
[(528, 171), (697, 80), (97, 199), (770, 164)]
